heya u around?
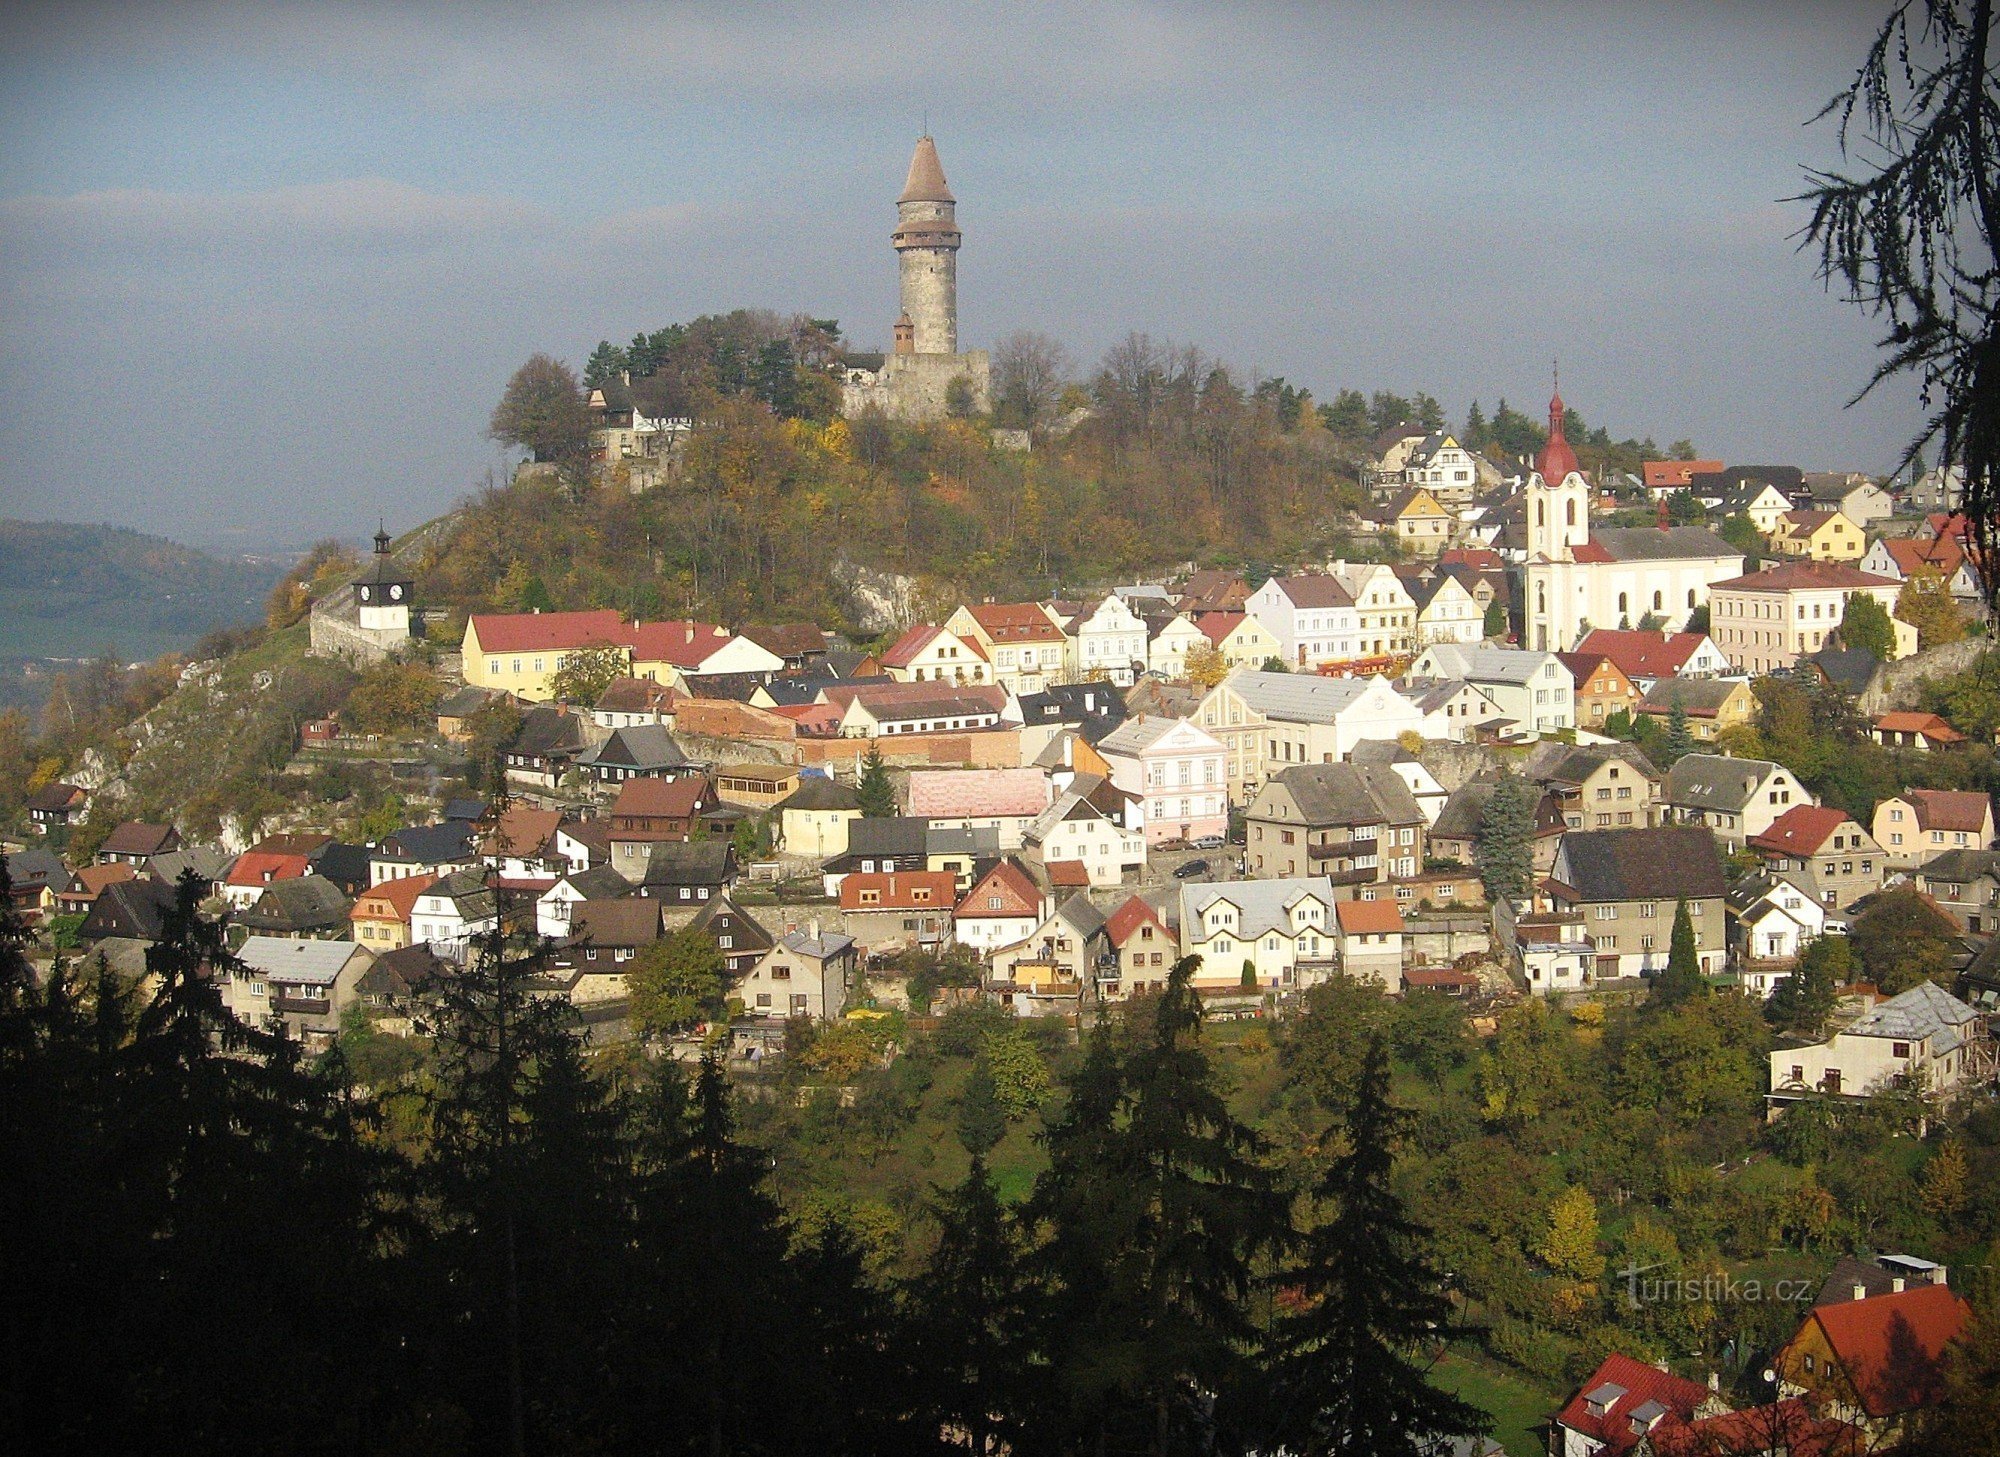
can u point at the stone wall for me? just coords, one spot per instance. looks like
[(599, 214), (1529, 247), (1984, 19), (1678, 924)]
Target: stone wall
[(913, 386), (336, 632), (1899, 684)]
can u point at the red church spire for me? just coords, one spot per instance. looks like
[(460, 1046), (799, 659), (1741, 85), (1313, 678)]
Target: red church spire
[(1557, 460)]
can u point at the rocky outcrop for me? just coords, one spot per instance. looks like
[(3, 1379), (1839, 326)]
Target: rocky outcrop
[(1900, 684)]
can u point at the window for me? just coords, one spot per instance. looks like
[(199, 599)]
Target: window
[(1899, 1049), (1605, 912), (1648, 909), (726, 942)]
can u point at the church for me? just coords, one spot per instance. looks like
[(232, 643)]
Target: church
[(915, 381), (1575, 579)]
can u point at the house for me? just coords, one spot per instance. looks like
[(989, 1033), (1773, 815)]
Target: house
[(1861, 499), (1924, 1036), (1532, 688), (1385, 611), (131, 909), (1087, 710), (1599, 787), (685, 874), (521, 849), (1710, 705), (78, 892), (1175, 770), (1169, 640), (346, 865), (1917, 824), (1144, 947), (451, 911), (1281, 931), (1833, 854), (877, 846), (960, 851), (1005, 801), (1240, 640), (1370, 941), (1311, 616), (1056, 966), (1003, 907), (1088, 824), (1110, 643), (806, 974), (1602, 688), (755, 786), (1762, 503), (797, 645), (550, 740), (305, 905), (1943, 556), (520, 652), (874, 712), (928, 654), (1454, 834), (1739, 799), (1213, 590), (1453, 709), (898, 909), (33, 879), (1624, 1401), (1871, 1361), (738, 935), (1445, 609), (1910, 730), (1938, 489), (255, 869), (1965, 885), (433, 850), (133, 843), (1648, 657), (1443, 467), (1420, 523), (1628, 884), (1663, 476), (381, 915), (55, 806), (1022, 640), (636, 751), (1773, 916), (1553, 949), (683, 654), (1767, 621), (813, 820), (1820, 536), (305, 984), (456, 709), (634, 703), (557, 907), (649, 812), (1351, 824), (1266, 721), (400, 980)]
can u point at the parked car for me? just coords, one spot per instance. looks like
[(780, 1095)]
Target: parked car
[(1207, 842), (1190, 870)]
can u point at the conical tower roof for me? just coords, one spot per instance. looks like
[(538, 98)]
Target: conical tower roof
[(926, 182)]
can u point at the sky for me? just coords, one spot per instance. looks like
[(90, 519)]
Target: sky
[(265, 268)]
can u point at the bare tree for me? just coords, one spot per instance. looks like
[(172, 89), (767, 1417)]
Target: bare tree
[(1913, 240), (1029, 372)]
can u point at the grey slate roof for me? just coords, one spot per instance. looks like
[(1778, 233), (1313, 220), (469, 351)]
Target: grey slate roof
[(1716, 781), (890, 835), (1961, 865), (961, 841), (1347, 794), (1295, 697), (1626, 865), (1694, 695), (547, 731), (1651, 544), (429, 844), (1848, 669), (1261, 905), (1081, 916), (1572, 764), (639, 747), (296, 958), (1923, 1011), (205, 861), (702, 862), (1486, 665), (1463, 811), (302, 903), (468, 892), (818, 792), (826, 945), (599, 882), (37, 867)]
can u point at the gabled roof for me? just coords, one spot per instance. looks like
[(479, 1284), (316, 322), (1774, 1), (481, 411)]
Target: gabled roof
[(1217, 626), (57, 796), (638, 695), (1261, 905), (689, 862), (624, 921), (1948, 809), (1923, 1011), (599, 882), (1716, 781), (1296, 697), (135, 838), (547, 730), (904, 650), (1477, 664), (34, 868), (259, 867), (428, 844), (1696, 697), (894, 835), (1665, 863), (135, 908), (677, 798), (935, 890), (1008, 880), (1848, 669), (1803, 576), (641, 747), (296, 959), (1125, 921), (823, 947), (523, 830), (1658, 544), (1369, 918), (685, 644), (406, 971), (309, 903), (1348, 794), (1618, 1389), (1640, 654), (817, 792), (1460, 818), (1941, 554), (1961, 865), (1312, 590), (1927, 724), (1800, 830), (398, 898), (522, 632), (1016, 622), (788, 639), (1891, 1346)]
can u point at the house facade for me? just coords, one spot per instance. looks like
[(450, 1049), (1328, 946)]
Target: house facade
[(1767, 621), (1627, 885), (1350, 824), (1282, 929), (1176, 771), (1919, 824)]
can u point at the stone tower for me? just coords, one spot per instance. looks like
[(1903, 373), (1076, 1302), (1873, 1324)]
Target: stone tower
[(926, 241)]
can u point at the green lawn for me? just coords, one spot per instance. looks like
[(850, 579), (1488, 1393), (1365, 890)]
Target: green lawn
[(1520, 1408)]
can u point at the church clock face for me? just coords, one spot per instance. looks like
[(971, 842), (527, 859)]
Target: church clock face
[(364, 594), (396, 594)]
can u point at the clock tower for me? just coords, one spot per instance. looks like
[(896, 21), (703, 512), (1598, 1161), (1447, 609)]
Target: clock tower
[(382, 592)]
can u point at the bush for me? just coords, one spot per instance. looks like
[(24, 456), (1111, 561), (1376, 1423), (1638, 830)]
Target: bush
[(967, 1026)]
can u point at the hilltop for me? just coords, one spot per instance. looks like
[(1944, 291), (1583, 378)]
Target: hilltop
[(70, 590)]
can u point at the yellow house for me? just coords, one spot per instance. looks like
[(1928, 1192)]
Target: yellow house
[(1241, 639), (520, 652), (1820, 536), (1421, 523)]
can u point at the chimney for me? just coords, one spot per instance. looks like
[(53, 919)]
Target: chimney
[(1938, 1274), (1860, 1292), (1896, 1285)]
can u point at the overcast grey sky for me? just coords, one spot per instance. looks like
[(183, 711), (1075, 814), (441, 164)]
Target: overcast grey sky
[(265, 268)]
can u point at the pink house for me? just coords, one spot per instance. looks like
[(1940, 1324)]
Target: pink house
[(1176, 771)]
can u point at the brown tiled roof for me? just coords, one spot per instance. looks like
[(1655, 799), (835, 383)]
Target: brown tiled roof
[(926, 180), (1949, 809), (134, 838), (1803, 576), (1315, 591)]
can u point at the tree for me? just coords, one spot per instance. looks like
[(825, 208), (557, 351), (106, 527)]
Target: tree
[(1029, 372), (959, 400), (1504, 847), (394, 698), (1020, 1077), (1681, 450), (1926, 604), (1682, 978), (1902, 940), (542, 411), (1367, 1305), (1945, 1174), (1684, 508), (1914, 238), (1205, 667), (675, 982), (1347, 415), (1495, 624), (1428, 1030), (1679, 740), (1803, 1001), (1274, 665), (877, 794), (1865, 624), (1568, 1246), (1529, 1070), (1741, 532), (1967, 1416), (1326, 1044), (981, 1121), (583, 675)]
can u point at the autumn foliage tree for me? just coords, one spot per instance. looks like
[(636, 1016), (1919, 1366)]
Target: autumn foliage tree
[(542, 411)]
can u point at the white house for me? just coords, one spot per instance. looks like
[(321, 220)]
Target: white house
[(1924, 1034), (1371, 941), (555, 908), (1110, 643), (1175, 769), (1452, 708), (1774, 916), (1555, 951), (1312, 617), (1268, 720), (1283, 928), (1076, 828), (1736, 798), (1167, 653), (1385, 614), (1003, 907), (1531, 687), (452, 911), (1446, 611)]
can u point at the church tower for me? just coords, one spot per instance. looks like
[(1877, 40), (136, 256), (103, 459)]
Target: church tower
[(1558, 499), (926, 242)]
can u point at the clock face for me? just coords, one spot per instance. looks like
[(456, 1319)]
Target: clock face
[(364, 594), (395, 594)]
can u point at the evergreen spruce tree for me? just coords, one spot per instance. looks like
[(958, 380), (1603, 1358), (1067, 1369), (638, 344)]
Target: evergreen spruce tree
[(981, 1121), (1679, 741), (1350, 1374), (1504, 847), (878, 796), (1682, 979)]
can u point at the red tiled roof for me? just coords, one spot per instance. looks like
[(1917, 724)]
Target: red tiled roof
[(1583, 665), (1949, 809), (1800, 830), (1068, 874), (1591, 551), (1665, 473), (904, 650), (1128, 918), (684, 644), (516, 632), (1479, 558), (1217, 626), (523, 830), (1941, 554), (1016, 622), (1788, 1426), (634, 695), (1368, 917), (1015, 887), (1927, 724), (1889, 1345), (1803, 576), (92, 879), (978, 793), (1641, 1383), (1641, 654), (260, 867), (392, 900), (898, 890)]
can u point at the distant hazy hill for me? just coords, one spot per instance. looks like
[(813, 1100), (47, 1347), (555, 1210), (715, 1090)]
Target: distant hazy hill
[(70, 591)]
